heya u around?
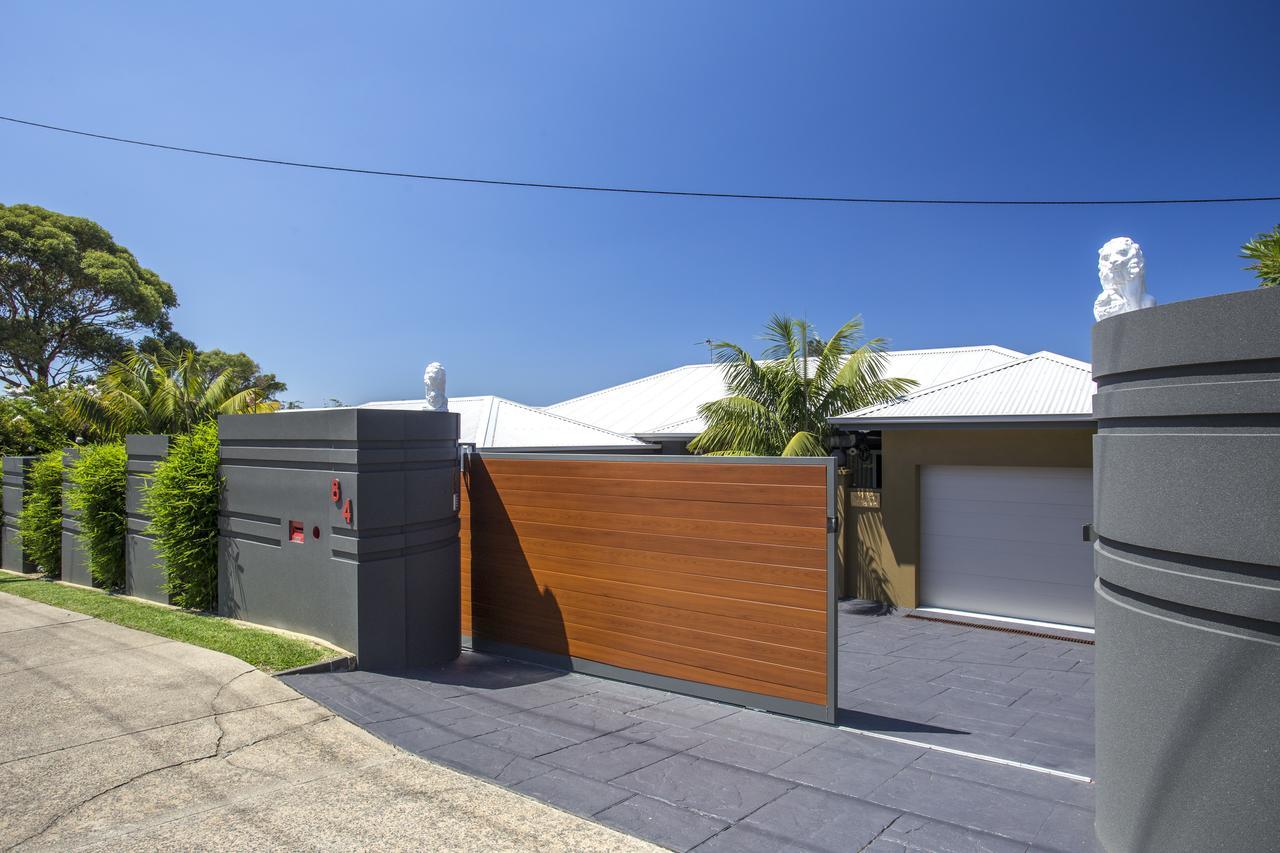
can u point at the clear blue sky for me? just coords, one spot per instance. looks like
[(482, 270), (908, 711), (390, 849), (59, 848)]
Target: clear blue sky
[(346, 285)]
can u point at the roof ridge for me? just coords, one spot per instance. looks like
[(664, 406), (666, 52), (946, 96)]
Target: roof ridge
[(543, 411), (627, 384), (970, 377)]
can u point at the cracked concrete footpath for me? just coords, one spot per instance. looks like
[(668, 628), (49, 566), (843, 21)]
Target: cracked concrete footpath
[(111, 739)]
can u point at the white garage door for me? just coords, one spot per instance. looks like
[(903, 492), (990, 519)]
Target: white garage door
[(1007, 541)]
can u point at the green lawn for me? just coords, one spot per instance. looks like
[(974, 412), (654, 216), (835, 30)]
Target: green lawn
[(266, 650)]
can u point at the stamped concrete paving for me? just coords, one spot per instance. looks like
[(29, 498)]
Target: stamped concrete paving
[(693, 774), (1021, 698), (115, 739)]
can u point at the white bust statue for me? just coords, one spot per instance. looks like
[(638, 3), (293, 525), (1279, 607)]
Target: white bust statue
[(433, 378), (1122, 272)]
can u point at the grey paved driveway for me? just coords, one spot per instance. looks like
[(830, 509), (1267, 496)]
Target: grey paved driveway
[(692, 774), (1020, 698)]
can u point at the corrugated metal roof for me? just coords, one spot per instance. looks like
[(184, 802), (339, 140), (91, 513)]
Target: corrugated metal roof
[(1042, 386), (495, 422), (666, 404)]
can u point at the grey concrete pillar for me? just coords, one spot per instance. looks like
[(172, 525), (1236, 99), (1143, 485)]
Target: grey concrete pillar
[(1187, 511), (143, 570), (75, 557), (342, 524), (12, 557)]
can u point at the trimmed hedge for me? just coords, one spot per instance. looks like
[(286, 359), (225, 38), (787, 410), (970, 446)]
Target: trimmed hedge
[(40, 522), (182, 500), (97, 493)]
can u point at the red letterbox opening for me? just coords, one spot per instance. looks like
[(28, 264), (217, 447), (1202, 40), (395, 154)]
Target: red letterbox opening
[(296, 533)]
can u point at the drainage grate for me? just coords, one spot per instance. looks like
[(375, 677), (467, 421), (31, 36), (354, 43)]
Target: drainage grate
[(1023, 632)]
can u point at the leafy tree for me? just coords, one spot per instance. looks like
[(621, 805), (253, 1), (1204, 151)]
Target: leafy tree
[(40, 521), (35, 420), (70, 296), (182, 500), (97, 493), (779, 406), (163, 393), (1264, 251), (245, 372)]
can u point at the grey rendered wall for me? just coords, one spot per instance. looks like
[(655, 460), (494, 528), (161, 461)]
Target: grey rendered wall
[(385, 585), (143, 570), (11, 553), (75, 559), (1187, 511)]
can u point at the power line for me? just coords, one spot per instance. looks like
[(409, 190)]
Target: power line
[(633, 190)]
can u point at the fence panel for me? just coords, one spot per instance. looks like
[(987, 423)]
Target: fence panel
[(708, 576)]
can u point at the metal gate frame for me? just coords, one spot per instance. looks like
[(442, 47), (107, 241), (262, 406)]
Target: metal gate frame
[(747, 699)]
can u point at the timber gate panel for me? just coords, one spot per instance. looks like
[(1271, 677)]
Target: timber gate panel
[(701, 575)]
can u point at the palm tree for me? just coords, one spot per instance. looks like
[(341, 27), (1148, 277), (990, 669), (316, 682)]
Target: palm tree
[(163, 393), (1264, 251), (779, 406)]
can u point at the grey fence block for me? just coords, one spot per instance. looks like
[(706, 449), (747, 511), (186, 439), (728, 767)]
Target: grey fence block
[(12, 556), (1186, 485), (143, 568), (343, 524), (75, 558)]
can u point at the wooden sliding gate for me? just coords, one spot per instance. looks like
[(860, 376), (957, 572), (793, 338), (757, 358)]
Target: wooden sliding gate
[(708, 576)]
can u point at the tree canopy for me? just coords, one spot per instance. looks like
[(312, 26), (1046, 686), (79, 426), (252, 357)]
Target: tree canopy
[(1264, 251), (163, 393), (779, 406), (71, 298)]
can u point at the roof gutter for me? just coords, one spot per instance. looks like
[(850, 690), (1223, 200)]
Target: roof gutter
[(953, 422)]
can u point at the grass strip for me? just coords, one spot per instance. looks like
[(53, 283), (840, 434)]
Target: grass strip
[(266, 650)]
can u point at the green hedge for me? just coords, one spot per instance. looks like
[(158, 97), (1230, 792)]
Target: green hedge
[(40, 522), (182, 500), (97, 493)]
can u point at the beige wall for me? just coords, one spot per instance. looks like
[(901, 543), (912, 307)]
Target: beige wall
[(883, 543)]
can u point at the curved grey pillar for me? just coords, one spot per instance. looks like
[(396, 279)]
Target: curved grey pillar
[(1187, 511)]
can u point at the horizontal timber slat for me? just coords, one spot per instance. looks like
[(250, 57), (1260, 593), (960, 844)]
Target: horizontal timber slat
[(725, 531), (714, 567), (696, 647), (768, 474), (708, 572), (744, 493), (772, 514), (501, 631)]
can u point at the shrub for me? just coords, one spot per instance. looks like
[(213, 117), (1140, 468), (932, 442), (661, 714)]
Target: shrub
[(182, 500), (97, 493), (40, 522)]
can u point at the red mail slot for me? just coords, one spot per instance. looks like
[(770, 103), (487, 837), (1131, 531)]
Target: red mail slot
[(296, 533)]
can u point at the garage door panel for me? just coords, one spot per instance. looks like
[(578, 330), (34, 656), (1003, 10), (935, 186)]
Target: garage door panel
[(1007, 541), (969, 483), (1000, 522), (1069, 604), (1046, 562)]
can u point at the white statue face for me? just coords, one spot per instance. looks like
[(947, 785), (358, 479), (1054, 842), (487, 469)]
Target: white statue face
[(434, 375), (1120, 262)]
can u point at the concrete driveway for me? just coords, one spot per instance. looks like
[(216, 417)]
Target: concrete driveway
[(115, 739)]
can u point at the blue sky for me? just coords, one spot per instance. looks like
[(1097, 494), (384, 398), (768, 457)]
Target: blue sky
[(347, 285)]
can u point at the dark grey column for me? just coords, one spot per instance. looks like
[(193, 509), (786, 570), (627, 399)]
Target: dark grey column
[(1187, 511), (343, 524), (143, 570), (75, 559), (12, 556)]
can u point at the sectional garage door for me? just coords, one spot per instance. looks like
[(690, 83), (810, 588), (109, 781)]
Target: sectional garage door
[(1007, 541)]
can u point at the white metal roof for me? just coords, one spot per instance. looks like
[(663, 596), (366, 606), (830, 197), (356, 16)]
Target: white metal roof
[(1044, 386), (666, 404), (495, 422)]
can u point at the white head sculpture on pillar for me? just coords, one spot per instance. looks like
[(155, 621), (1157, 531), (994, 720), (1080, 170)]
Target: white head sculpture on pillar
[(433, 378), (1122, 272)]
